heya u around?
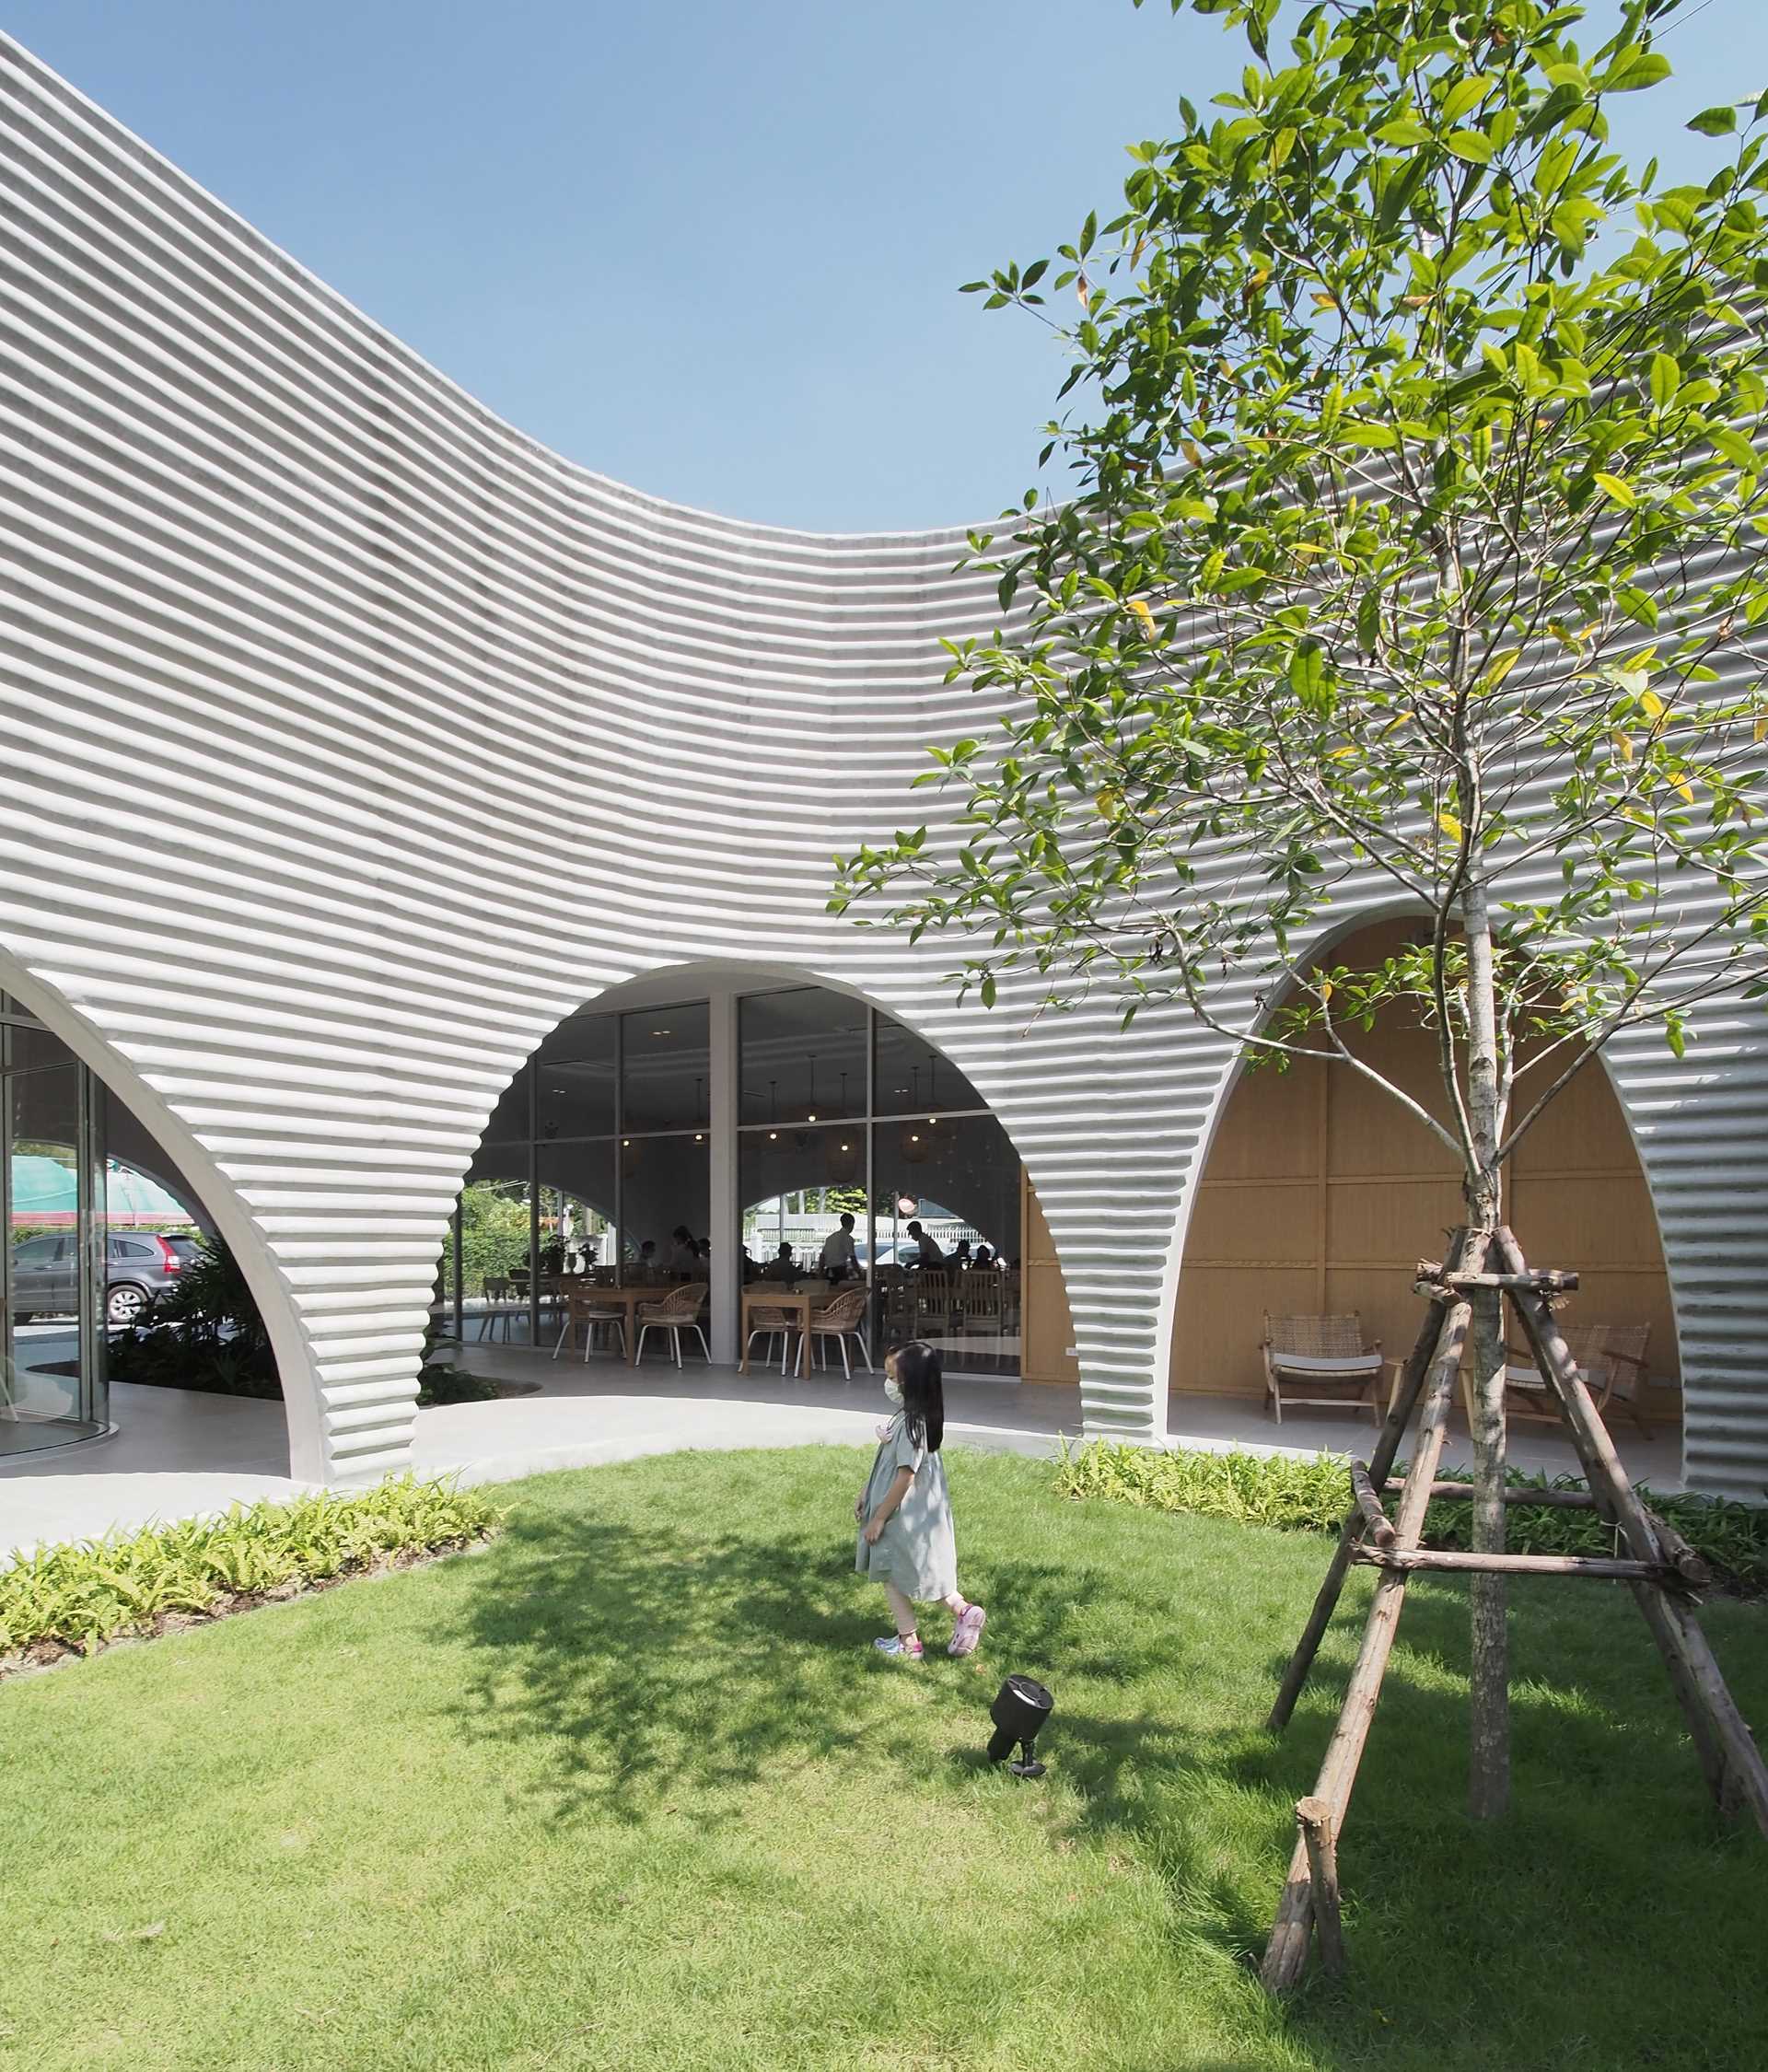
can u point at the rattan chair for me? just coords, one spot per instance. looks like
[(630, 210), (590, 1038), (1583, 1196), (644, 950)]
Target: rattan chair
[(840, 1320), (768, 1324), (678, 1311), (1319, 1363), (1613, 1360), (587, 1311)]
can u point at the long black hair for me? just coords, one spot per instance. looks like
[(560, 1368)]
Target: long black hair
[(919, 1374)]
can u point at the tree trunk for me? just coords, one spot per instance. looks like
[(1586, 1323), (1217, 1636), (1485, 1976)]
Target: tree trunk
[(1489, 1737)]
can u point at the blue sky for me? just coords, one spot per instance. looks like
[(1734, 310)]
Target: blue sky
[(711, 248)]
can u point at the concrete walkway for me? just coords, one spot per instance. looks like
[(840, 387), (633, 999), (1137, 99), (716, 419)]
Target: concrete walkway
[(178, 1454)]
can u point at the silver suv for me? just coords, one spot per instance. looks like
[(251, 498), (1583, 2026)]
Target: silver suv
[(138, 1266)]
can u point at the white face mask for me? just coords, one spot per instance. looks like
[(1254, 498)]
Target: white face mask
[(893, 1388)]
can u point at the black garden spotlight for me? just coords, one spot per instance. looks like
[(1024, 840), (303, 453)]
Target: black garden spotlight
[(1021, 1706)]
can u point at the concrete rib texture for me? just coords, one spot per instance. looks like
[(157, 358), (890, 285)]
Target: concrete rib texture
[(351, 739)]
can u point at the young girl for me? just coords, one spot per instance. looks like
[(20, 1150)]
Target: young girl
[(905, 1539)]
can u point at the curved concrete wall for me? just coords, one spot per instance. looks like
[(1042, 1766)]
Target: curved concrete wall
[(350, 739)]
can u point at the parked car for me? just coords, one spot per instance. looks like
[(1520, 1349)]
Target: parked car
[(138, 1266), (904, 1253)]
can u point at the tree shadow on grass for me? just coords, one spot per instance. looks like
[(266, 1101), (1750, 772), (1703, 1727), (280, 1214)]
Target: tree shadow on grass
[(633, 1667), (643, 1664)]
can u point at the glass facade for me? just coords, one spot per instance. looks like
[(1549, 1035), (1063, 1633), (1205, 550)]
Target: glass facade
[(85, 1196), (928, 1175), (598, 1159)]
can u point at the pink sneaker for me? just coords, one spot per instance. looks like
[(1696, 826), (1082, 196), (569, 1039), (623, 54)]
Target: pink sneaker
[(968, 1630), (900, 1649)]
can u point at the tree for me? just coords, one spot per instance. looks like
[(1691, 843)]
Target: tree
[(1415, 540)]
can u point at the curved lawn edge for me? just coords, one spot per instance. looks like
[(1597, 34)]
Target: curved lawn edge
[(74, 1598), (1311, 1492)]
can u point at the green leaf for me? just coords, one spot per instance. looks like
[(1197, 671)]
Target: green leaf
[(1463, 94), (1713, 122), (1735, 447), (1470, 145), (1632, 69), (1308, 671), (1402, 132), (1618, 491), (1665, 378)]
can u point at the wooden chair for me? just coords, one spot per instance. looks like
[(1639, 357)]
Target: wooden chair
[(1326, 1357), (588, 1312), (931, 1290), (767, 1325), (678, 1311), (840, 1320), (979, 1304), (896, 1320), (1613, 1360)]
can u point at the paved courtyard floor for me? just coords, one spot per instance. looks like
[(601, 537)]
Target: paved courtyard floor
[(178, 1454)]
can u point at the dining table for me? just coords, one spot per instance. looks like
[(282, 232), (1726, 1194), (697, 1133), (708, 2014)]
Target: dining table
[(621, 1295), (801, 1301)]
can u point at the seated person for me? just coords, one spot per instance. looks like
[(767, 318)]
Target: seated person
[(782, 1266), (837, 1255), (685, 1256), (928, 1247), (985, 1257), (960, 1256), (644, 1266)]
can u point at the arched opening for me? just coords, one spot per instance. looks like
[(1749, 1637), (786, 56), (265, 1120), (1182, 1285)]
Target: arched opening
[(737, 1110), (103, 1235), (1320, 1193)]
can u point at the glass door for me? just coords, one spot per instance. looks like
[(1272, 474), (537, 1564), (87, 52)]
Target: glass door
[(52, 1358)]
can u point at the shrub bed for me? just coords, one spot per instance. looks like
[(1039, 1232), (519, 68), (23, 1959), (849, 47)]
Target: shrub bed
[(72, 1599), (1312, 1495)]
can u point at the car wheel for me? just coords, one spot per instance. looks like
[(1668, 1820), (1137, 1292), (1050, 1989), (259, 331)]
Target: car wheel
[(24, 1316), (124, 1304)]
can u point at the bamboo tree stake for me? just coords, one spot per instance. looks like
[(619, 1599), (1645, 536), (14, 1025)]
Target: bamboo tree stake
[(1729, 1753), (1387, 1447), (1285, 1955), (1314, 1817)]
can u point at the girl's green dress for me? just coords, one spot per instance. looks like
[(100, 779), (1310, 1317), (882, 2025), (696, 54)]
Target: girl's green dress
[(916, 1550)]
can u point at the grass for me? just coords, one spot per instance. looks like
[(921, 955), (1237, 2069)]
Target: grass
[(628, 1788)]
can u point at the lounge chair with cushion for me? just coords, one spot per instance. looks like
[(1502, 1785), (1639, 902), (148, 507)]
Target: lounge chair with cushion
[(1319, 1363)]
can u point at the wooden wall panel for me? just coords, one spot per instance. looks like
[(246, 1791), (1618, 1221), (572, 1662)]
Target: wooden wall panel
[(1216, 1328), (1246, 1220), (1285, 1110), (1047, 1326), (1403, 1217), (1320, 1193)]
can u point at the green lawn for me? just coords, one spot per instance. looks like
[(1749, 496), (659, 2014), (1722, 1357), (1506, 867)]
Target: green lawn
[(630, 1789)]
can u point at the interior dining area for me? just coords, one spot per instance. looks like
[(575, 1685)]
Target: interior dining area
[(784, 1179)]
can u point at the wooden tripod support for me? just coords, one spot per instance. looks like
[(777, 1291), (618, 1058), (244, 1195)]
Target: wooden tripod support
[(1659, 1566)]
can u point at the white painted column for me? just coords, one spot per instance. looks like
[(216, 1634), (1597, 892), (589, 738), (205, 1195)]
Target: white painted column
[(725, 1208)]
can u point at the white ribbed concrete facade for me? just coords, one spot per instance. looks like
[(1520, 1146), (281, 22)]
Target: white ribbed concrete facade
[(348, 739)]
